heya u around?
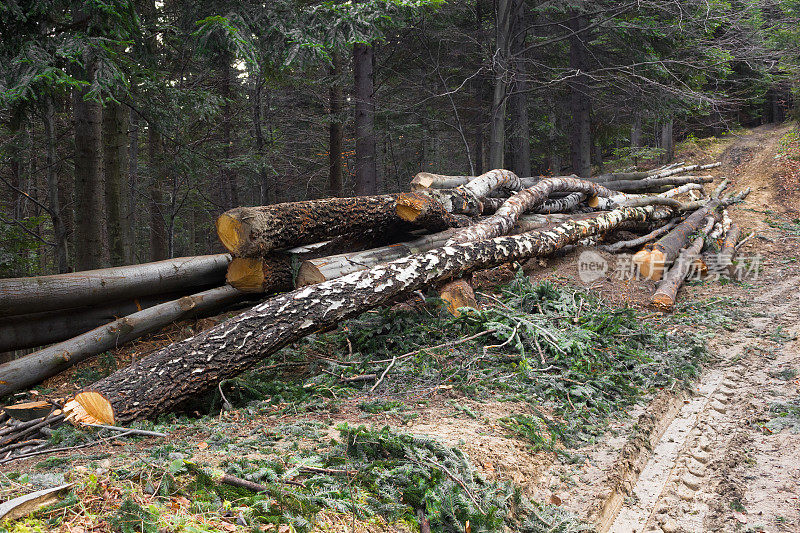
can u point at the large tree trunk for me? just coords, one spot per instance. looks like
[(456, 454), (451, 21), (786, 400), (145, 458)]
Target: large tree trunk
[(78, 289), (366, 165), (500, 59), (581, 139), (321, 269), (266, 187), (33, 368), (115, 157), (133, 180), (667, 141), (636, 131), (166, 378), (653, 262), (158, 227), (91, 237), (39, 329), (667, 291), (518, 100), (335, 131), (229, 186), (53, 197), (256, 231), (526, 200)]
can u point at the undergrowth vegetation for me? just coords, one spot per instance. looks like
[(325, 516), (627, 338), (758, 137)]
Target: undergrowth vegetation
[(568, 359)]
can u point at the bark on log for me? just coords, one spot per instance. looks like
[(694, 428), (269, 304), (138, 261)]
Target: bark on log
[(644, 239), (253, 275), (168, 377), (652, 174), (728, 251), (652, 262), (257, 231), (321, 269), (567, 203), (426, 180), (33, 368), (78, 289), (39, 329), (653, 184), (666, 293), (465, 199), (528, 199)]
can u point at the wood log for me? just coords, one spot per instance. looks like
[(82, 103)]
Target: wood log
[(528, 199), (653, 184), (652, 174), (63, 291), (666, 293), (321, 269), (652, 262), (559, 205), (257, 231), (465, 199), (168, 377), (255, 275), (639, 241), (39, 329), (725, 257), (427, 180), (33, 368)]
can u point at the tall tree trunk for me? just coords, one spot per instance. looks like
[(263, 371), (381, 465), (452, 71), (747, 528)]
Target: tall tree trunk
[(335, 131), (479, 159), (158, 230), (266, 188), (518, 101), (497, 135), (91, 237), (229, 183), (115, 157), (636, 131), (59, 230), (581, 139), (667, 142), (366, 168), (133, 178)]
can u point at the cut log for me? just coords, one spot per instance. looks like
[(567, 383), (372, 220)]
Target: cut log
[(39, 329), (652, 262), (426, 180), (666, 293), (725, 257), (63, 291), (526, 200), (257, 231), (465, 199), (166, 378), (253, 275), (567, 203), (321, 269), (33, 368), (654, 184), (652, 174), (644, 239), (28, 411)]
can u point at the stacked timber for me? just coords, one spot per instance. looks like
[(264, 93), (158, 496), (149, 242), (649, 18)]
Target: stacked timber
[(317, 262)]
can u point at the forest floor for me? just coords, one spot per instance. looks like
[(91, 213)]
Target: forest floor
[(561, 406)]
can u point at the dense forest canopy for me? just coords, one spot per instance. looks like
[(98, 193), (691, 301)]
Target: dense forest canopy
[(127, 126)]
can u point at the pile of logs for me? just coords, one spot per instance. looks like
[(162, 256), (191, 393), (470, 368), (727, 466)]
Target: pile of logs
[(315, 263)]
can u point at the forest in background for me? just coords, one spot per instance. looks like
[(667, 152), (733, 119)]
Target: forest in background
[(127, 127)]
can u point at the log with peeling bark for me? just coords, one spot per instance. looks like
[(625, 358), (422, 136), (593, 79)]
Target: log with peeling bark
[(526, 200), (257, 231), (639, 241), (465, 199), (653, 262), (667, 290), (166, 378), (654, 184), (78, 289), (728, 250), (426, 180), (560, 205), (321, 269), (39, 329), (35, 367), (652, 174)]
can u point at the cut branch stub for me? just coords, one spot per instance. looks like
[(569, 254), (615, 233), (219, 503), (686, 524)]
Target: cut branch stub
[(166, 378)]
